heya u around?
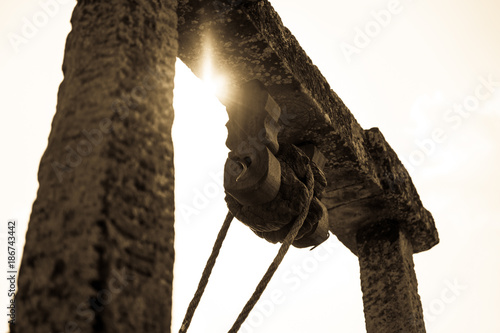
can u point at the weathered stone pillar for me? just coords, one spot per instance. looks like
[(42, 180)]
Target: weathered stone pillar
[(99, 248), (390, 296)]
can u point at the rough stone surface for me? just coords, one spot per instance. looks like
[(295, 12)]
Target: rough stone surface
[(396, 199), (390, 296), (246, 40), (99, 247)]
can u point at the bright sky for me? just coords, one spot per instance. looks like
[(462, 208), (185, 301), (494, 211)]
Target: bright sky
[(421, 76)]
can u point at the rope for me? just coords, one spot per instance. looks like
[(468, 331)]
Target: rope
[(206, 274), (277, 260), (259, 290), (274, 219)]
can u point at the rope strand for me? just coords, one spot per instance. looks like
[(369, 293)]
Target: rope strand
[(206, 274), (259, 290)]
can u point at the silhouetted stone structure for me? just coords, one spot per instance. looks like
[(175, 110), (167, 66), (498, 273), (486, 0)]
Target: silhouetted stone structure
[(373, 206), (103, 219)]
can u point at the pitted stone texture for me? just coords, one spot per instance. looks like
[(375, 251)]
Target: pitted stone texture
[(246, 40), (99, 248), (390, 295), (396, 199), (367, 183)]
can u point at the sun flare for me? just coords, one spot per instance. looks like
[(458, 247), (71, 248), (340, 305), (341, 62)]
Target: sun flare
[(212, 81)]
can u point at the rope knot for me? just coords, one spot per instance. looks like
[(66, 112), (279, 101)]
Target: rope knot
[(302, 185), (278, 188)]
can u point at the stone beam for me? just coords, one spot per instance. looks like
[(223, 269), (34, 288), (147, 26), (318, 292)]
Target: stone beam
[(246, 40)]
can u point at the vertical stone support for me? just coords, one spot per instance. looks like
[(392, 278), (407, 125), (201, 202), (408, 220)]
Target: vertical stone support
[(388, 281), (99, 249)]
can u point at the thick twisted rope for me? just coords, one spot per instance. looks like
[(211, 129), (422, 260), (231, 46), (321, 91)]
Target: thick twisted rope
[(206, 274), (259, 290), (279, 257)]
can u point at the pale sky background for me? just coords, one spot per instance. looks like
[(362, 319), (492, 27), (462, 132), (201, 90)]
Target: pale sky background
[(430, 56)]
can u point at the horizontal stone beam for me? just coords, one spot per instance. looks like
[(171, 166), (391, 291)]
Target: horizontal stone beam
[(245, 40)]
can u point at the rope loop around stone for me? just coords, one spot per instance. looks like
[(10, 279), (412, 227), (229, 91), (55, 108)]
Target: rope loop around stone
[(273, 220), (291, 235), (305, 182)]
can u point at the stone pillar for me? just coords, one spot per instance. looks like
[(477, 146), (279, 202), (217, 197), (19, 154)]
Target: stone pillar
[(99, 248), (390, 296)]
